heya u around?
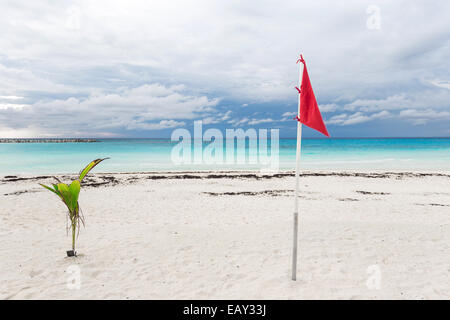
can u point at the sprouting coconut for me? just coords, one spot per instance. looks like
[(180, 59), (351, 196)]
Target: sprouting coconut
[(69, 195)]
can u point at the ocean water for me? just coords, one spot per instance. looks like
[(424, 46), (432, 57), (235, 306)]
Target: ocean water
[(142, 155)]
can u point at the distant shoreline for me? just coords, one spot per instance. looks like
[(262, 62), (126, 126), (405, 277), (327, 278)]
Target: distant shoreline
[(62, 140), (49, 140)]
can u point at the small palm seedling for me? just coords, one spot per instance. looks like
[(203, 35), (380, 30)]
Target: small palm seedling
[(69, 195)]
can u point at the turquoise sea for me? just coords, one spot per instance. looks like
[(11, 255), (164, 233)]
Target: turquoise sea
[(141, 155)]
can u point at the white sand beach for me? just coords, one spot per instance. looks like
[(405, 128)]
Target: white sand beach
[(228, 236)]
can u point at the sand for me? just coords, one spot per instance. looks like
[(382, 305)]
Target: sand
[(228, 236)]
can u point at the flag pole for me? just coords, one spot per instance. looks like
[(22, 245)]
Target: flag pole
[(297, 169)]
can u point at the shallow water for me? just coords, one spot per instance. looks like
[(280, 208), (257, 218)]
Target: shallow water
[(137, 155)]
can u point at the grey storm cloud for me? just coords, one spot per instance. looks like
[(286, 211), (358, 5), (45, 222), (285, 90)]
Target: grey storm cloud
[(106, 59)]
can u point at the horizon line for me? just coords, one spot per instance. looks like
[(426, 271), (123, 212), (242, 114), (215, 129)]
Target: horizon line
[(168, 138)]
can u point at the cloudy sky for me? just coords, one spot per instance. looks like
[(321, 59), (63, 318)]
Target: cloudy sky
[(143, 68)]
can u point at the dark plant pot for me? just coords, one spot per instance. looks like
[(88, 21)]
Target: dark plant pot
[(71, 253)]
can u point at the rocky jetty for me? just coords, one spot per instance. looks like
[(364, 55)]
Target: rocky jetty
[(47, 140)]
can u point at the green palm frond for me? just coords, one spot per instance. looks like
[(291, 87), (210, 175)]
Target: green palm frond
[(69, 194), (50, 189), (89, 167)]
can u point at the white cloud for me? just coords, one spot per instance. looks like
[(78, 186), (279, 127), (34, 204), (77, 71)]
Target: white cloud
[(370, 105), (10, 98), (16, 80), (355, 118), (344, 119), (226, 116), (6, 132), (250, 122), (237, 122), (4, 106), (424, 116), (381, 115), (330, 107), (259, 121), (70, 59), (217, 118), (163, 124), (441, 83), (289, 114), (414, 116), (210, 120), (128, 108), (417, 108), (247, 50)]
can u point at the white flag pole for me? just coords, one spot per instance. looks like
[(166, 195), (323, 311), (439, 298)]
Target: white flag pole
[(297, 170)]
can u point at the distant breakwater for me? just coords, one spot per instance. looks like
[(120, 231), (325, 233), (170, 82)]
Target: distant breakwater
[(48, 140)]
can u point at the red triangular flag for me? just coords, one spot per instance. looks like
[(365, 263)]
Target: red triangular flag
[(309, 110)]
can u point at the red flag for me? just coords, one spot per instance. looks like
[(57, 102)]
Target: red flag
[(309, 110)]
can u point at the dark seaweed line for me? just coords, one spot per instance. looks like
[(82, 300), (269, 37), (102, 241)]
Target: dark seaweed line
[(283, 175), (273, 193), (112, 177)]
